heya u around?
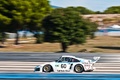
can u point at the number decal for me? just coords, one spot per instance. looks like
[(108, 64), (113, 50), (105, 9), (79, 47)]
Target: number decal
[(63, 65)]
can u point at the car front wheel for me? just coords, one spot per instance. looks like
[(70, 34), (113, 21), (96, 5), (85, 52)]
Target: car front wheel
[(78, 68), (47, 68)]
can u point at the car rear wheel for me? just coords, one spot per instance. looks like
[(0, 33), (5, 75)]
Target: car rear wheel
[(78, 68), (47, 68)]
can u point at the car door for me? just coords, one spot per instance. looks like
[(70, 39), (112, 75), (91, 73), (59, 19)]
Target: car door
[(63, 65)]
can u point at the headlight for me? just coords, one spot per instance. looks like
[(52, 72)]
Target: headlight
[(37, 68)]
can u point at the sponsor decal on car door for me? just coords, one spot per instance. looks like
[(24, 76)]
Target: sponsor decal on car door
[(62, 67)]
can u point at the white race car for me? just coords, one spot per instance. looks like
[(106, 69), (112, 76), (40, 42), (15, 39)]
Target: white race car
[(68, 64)]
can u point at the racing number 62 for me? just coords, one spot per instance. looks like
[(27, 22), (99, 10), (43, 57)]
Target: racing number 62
[(63, 65)]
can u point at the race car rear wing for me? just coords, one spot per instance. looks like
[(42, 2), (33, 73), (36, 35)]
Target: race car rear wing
[(95, 59)]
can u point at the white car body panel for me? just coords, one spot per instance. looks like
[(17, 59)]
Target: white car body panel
[(69, 66)]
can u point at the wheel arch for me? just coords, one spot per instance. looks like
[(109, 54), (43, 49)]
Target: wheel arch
[(49, 65), (80, 65)]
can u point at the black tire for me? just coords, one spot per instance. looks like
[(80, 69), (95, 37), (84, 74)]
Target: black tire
[(47, 68), (78, 68)]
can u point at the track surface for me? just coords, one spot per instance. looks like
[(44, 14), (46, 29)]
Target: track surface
[(25, 62)]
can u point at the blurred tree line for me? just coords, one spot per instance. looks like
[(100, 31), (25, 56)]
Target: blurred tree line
[(16, 15), (63, 25), (110, 10), (113, 10), (67, 27)]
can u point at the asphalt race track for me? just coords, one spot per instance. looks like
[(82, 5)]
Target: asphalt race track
[(20, 66), (25, 62)]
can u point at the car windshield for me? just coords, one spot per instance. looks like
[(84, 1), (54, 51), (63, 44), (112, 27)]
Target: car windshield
[(74, 60), (59, 60)]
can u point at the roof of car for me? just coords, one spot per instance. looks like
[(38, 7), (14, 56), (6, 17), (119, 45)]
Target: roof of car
[(68, 56)]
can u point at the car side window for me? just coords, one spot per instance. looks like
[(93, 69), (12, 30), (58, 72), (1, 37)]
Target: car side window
[(67, 59), (64, 59), (74, 60)]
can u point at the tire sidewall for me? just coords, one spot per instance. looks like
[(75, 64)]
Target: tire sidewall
[(81, 68), (49, 66)]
